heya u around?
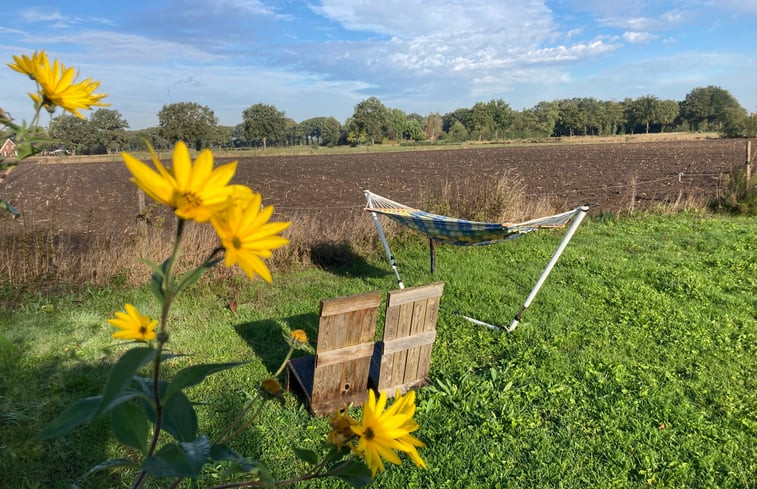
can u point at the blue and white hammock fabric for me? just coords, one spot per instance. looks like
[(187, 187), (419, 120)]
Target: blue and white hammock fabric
[(459, 232)]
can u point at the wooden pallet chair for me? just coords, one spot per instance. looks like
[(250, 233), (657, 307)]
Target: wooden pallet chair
[(337, 374), (402, 359)]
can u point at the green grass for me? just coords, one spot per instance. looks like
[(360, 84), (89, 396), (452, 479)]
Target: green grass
[(635, 366)]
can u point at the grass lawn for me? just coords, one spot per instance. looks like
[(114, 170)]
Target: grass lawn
[(635, 366)]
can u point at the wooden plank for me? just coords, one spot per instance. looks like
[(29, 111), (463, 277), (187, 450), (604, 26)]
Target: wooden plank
[(424, 354), (341, 305), (411, 294), (417, 324), (343, 354), (416, 340)]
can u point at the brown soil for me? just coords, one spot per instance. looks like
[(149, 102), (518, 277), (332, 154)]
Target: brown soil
[(97, 197)]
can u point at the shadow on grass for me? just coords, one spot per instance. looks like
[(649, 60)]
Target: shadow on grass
[(341, 259), (265, 337), (33, 395)]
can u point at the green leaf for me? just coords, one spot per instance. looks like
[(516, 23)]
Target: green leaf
[(191, 278), (179, 459), (193, 375), (179, 418), (130, 425), (25, 150), (222, 452), (80, 412), (355, 473), (307, 456), (121, 375), (157, 278)]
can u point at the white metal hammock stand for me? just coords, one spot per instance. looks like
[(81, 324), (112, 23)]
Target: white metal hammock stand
[(461, 232)]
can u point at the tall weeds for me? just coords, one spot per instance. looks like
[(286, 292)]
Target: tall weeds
[(40, 256)]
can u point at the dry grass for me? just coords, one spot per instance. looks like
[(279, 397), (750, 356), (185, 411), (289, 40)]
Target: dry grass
[(31, 257)]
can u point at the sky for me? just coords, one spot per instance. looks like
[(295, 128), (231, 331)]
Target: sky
[(322, 57)]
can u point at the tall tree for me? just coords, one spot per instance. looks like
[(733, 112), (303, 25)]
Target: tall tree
[(190, 122), (263, 123), (368, 120), (502, 115), (644, 111), (668, 113), (396, 124), (710, 108), (109, 128), (72, 132), (432, 126), (480, 123)]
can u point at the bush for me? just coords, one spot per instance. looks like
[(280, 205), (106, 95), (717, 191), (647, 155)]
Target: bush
[(739, 195)]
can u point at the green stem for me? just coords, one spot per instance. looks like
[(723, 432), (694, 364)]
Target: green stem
[(168, 296), (284, 363)]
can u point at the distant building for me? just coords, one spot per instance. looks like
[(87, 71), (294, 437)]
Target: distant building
[(8, 149)]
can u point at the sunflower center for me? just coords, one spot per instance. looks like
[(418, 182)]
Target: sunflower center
[(368, 434), (142, 330), (236, 242), (188, 200)]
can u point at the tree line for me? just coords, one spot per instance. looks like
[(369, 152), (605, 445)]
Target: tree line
[(703, 109)]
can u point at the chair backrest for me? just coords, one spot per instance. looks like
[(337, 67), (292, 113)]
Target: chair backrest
[(402, 360), (346, 332)]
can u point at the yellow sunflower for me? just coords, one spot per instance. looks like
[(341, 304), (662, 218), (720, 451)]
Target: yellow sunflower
[(247, 236), (194, 191), (133, 325), (56, 84), (382, 432)]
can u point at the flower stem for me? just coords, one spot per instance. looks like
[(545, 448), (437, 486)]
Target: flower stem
[(168, 296)]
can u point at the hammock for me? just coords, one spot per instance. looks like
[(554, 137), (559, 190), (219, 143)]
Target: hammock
[(455, 231), (461, 232)]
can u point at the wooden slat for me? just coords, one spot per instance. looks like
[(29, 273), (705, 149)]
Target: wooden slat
[(343, 354), (411, 294), (417, 340), (341, 305)]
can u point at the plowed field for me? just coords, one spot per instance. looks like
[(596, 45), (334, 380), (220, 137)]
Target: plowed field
[(97, 197)]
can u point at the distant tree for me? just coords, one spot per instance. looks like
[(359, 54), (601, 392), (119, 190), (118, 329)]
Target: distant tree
[(413, 130), (72, 132), (502, 115), (238, 136), (322, 131), (480, 122), (368, 120), (669, 111), (611, 117), (137, 139), (263, 123), (457, 133), (525, 124), (396, 124), (225, 136), (569, 117), (711, 108), (547, 114), (643, 111), (109, 130), (590, 115), (190, 122), (432, 126), (459, 115)]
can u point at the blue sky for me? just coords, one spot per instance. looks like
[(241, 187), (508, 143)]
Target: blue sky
[(321, 57)]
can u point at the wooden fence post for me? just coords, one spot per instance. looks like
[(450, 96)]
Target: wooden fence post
[(141, 216), (748, 164)]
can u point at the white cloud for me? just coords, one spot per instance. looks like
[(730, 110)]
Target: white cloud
[(638, 37)]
